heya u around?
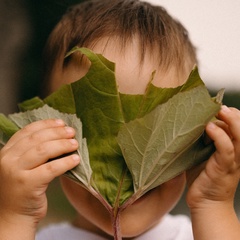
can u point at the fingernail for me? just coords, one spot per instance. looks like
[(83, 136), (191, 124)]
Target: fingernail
[(69, 130), (73, 141), (225, 109), (76, 158), (60, 122), (211, 125)]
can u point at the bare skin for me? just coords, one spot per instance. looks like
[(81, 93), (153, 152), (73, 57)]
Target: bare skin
[(211, 194), (25, 172)]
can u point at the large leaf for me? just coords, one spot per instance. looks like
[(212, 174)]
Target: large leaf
[(103, 111), (168, 140)]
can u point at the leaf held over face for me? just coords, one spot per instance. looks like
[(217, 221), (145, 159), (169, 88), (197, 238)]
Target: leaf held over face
[(167, 141), (129, 144)]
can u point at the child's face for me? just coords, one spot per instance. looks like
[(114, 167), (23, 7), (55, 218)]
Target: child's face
[(131, 78)]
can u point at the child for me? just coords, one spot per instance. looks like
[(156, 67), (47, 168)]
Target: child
[(139, 38)]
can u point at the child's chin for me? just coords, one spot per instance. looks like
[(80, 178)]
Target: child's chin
[(134, 231)]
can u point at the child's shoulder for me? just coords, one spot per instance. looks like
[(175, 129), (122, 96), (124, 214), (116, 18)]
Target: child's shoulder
[(171, 227), (63, 231)]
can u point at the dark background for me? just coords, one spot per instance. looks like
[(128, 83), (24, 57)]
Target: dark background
[(44, 15), (24, 28)]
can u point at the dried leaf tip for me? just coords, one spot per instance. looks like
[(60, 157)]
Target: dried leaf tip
[(219, 97)]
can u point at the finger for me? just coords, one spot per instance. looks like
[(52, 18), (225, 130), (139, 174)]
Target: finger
[(36, 139), (231, 116), (34, 127), (50, 170), (221, 124), (194, 172), (224, 126), (47, 150), (224, 154)]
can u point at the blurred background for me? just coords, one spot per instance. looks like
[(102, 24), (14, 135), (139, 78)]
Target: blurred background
[(214, 27)]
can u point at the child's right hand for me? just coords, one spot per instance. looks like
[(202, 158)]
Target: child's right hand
[(25, 171)]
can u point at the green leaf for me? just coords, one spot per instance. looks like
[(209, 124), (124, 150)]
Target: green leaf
[(31, 104), (99, 108), (167, 141), (103, 111), (7, 129), (63, 100)]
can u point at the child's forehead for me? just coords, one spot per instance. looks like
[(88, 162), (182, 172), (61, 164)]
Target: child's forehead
[(133, 71)]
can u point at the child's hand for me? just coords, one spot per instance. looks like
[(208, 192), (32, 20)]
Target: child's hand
[(25, 172), (217, 179), (212, 185)]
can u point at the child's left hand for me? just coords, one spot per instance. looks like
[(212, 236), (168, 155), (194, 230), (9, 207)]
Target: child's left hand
[(216, 180), (213, 184)]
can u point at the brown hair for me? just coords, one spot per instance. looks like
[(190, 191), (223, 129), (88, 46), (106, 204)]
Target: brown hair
[(84, 24)]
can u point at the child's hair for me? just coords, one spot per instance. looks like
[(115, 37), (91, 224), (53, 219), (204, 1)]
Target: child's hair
[(86, 23)]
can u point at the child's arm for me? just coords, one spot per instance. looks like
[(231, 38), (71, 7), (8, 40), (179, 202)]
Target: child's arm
[(211, 194), (25, 175)]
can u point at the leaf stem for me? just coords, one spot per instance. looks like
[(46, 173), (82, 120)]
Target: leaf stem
[(116, 224)]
